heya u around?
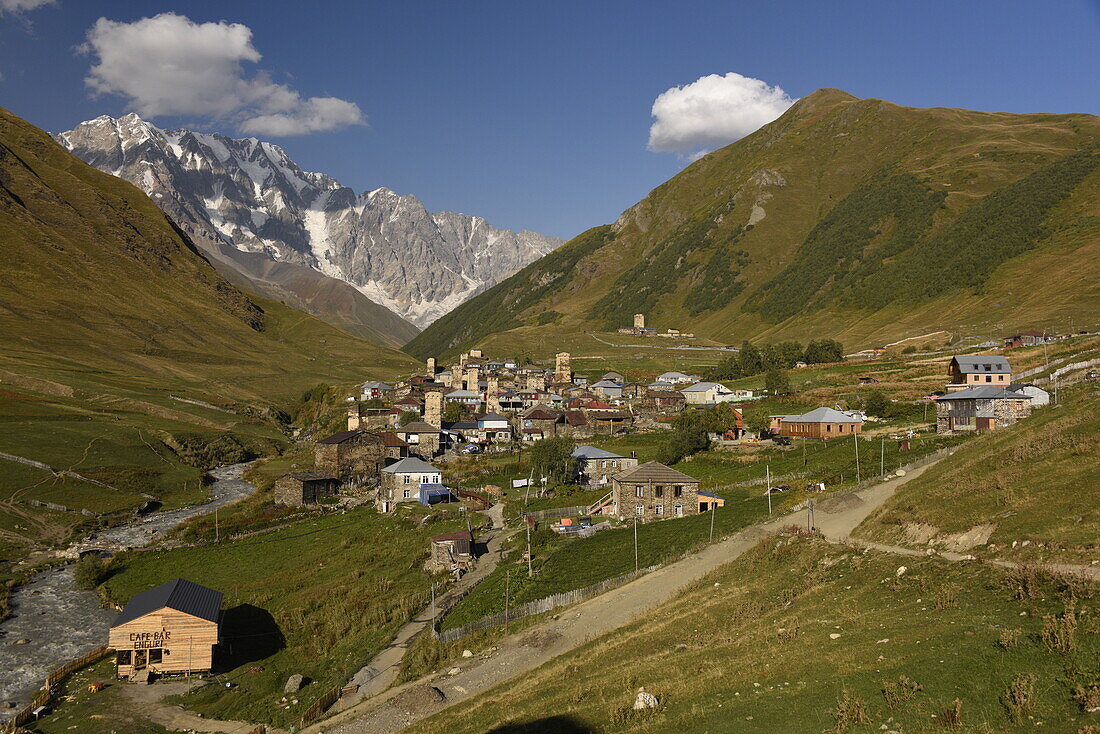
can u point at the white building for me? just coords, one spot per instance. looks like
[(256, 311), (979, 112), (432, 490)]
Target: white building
[(707, 393)]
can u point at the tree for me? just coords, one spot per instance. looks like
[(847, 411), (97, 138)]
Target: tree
[(454, 412), (91, 571), (553, 458), (777, 382), (688, 439), (824, 350), (407, 417), (876, 404), (751, 359)]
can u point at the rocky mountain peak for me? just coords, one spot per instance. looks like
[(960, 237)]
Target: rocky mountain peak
[(249, 194)]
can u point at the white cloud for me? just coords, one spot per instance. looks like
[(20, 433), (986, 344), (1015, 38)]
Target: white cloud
[(713, 111), (22, 6), (169, 65)]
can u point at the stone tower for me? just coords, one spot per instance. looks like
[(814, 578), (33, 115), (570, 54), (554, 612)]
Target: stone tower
[(472, 378), (536, 381), (433, 408), (563, 369), (639, 321), (492, 394), (475, 353), (456, 377), (354, 421), (430, 368)]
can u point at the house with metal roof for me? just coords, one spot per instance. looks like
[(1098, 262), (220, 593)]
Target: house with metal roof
[(607, 389), (820, 423), (169, 629), (595, 466), (676, 378), (980, 409), (374, 389), (706, 393), (978, 370), (409, 480), (653, 491)]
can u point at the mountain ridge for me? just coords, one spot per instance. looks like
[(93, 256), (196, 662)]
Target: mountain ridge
[(250, 195), (696, 253)]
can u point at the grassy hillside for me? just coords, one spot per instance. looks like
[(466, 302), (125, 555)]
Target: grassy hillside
[(857, 219), (1034, 482), (802, 636), (125, 357)]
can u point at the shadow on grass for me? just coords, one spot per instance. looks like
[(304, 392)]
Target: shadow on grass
[(248, 634), (549, 725)]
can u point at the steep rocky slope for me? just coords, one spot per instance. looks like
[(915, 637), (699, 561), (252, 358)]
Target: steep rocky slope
[(857, 219), (251, 196)]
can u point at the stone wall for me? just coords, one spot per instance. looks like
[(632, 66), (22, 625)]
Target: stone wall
[(627, 499)]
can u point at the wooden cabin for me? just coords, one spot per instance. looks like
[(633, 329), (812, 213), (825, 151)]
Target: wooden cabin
[(172, 628)]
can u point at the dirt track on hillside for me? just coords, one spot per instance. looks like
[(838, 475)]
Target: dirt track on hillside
[(524, 651)]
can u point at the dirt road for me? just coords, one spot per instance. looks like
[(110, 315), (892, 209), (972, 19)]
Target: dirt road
[(391, 711)]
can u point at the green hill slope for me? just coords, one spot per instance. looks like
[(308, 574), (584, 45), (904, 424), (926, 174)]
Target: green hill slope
[(125, 357), (858, 219)]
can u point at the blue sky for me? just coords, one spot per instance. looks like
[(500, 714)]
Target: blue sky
[(538, 115)]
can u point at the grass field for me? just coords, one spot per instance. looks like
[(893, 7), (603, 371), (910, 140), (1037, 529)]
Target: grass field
[(1034, 482), (318, 599), (802, 636), (105, 712)]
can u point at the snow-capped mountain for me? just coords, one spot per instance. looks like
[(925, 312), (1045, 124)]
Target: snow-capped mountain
[(250, 195)]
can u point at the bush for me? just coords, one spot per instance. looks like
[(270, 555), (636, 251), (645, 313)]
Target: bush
[(777, 382), (91, 571), (876, 404), (1019, 697)]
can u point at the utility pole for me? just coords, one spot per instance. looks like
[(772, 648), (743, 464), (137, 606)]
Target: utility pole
[(882, 459), (217, 531), (433, 603), (768, 468), (810, 515), (530, 573), (855, 438), (713, 510), (635, 545), (507, 578)]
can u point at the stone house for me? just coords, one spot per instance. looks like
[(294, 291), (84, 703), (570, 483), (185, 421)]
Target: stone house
[(596, 466), (354, 456), (706, 393), (607, 389), (305, 488), (978, 370), (452, 551), (423, 439), (653, 491), (980, 409), (539, 422), (403, 481)]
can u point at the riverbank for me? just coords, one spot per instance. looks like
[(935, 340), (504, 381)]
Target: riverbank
[(59, 622)]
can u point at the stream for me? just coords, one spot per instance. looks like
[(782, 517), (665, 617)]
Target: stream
[(60, 622)]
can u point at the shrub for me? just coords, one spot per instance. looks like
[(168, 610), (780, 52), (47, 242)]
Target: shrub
[(850, 711), (1059, 633), (1009, 639), (1087, 696), (1018, 698), (901, 691), (951, 715), (91, 571)]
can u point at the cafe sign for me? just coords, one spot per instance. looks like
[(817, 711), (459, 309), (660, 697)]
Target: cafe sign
[(149, 640)]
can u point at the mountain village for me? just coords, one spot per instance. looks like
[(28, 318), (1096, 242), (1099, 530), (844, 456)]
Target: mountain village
[(800, 441)]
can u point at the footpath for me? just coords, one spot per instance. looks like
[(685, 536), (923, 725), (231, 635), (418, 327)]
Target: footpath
[(397, 707)]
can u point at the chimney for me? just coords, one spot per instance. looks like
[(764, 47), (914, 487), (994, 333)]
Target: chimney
[(433, 408)]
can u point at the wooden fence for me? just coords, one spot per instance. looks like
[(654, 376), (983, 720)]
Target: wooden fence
[(321, 705), (555, 512), (538, 606), (45, 695)]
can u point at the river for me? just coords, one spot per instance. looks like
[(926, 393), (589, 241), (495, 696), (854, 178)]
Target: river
[(60, 622)]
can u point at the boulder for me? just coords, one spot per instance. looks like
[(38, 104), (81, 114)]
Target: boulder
[(293, 684), (644, 700)]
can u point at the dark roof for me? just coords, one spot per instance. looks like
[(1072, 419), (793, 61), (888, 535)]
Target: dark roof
[(182, 595), (307, 476), (460, 535), (984, 392), (575, 418), (540, 415), (418, 427), (392, 440), (340, 436), (653, 471)]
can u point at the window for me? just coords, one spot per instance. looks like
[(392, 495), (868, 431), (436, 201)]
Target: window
[(639, 491), (659, 491), (677, 491), (989, 378), (603, 463), (407, 478), (156, 655), (678, 510), (124, 657), (828, 428), (639, 509), (407, 494), (659, 509)]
